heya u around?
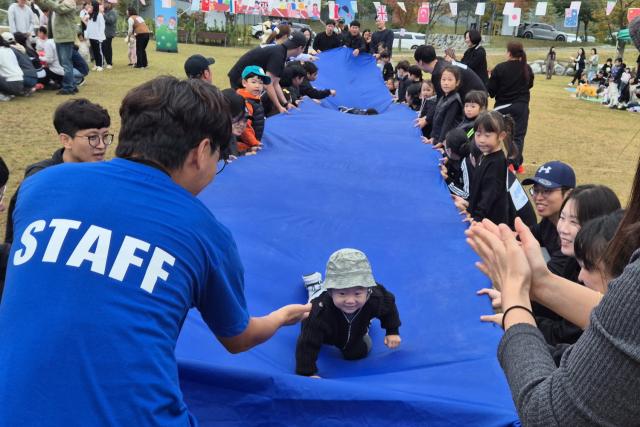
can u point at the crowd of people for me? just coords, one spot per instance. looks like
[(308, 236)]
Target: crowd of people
[(43, 51), (561, 314)]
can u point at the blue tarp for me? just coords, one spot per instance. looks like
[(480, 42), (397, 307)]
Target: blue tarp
[(325, 181)]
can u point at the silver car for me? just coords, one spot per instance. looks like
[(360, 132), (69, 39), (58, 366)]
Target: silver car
[(540, 31)]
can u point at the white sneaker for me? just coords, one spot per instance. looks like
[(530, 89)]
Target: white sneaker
[(570, 84), (4, 97), (109, 66), (99, 69), (313, 284), (94, 68)]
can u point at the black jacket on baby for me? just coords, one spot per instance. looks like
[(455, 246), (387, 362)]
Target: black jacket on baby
[(327, 324)]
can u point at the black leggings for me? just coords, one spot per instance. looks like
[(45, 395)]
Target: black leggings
[(576, 76), (107, 51), (519, 112), (97, 52), (141, 49)]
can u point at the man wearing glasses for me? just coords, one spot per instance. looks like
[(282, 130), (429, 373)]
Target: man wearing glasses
[(83, 130), (108, 260), (551, 185)]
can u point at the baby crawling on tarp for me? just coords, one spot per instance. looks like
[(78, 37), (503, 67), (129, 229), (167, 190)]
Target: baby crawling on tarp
[(342, 310)]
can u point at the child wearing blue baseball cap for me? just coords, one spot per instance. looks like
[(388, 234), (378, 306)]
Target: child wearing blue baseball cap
[(252, 84)]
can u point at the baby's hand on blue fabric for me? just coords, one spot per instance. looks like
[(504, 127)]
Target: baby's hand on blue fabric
[(392, 341)]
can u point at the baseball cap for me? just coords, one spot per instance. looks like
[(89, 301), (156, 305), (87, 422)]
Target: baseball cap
[(553, 175), (257, 70), (348, 268), (237, 103), (8, 37), (296, 39), (341, 20), (197, 64)]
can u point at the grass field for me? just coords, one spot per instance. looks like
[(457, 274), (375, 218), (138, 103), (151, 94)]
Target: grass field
[(597, 142)]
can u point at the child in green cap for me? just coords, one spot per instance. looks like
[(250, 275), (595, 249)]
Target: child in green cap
[(341, 314)]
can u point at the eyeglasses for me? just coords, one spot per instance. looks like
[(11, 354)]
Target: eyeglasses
[(545, 193), (219, 159), (94, 140)]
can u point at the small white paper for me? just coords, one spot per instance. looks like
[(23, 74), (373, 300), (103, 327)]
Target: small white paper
[(454, 9), (541, 8), (140, 19), (376, 4), (518, 195), (514, 17), (401, 5), (354, 6), (480, 9), (166, 4), (576, 5), (195, 5)]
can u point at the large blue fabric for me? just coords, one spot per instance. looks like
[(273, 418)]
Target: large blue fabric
[(325, 181)]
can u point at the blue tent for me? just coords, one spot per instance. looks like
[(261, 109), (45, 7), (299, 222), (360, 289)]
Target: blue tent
[(325, 181)]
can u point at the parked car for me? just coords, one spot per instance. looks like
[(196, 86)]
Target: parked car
[(409, 40), (572, 38), (256, 30), (540, 31)]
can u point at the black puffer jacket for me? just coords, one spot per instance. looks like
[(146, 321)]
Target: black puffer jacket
[(258, 117)]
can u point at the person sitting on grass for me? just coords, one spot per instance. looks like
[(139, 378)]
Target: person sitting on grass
[(342, 313), (306, 89), (253, 81)]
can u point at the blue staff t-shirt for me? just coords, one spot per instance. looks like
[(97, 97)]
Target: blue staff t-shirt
[(107, 260)]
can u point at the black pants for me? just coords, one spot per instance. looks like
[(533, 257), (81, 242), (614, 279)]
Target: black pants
[(97, 52), (519, 112), (576, 76), (11, 88), (358, 349), (53, 76), (107, 51), (141, 49)]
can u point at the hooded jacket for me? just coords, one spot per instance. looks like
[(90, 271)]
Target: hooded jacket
[(252, 134)]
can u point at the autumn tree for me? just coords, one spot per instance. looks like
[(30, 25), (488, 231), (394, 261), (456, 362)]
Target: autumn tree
[(606, 25), (584, 16)]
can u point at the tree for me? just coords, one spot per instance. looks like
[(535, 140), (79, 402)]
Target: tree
[(402, 18), (606, 25), (584, 16)]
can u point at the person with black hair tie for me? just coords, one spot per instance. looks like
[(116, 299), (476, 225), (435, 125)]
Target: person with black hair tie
[(311, 71), (475, 58), (510, 84)]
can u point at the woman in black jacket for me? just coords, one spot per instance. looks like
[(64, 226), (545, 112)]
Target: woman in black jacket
[(475, 58), (579, 61), (551, 62)]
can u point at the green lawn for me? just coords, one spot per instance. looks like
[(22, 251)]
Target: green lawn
[(596, 141)]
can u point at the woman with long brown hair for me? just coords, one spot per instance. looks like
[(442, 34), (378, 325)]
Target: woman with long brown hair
[(279, 34), (510, 84)]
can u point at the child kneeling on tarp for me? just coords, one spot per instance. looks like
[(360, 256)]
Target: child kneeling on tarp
[(341, 315)]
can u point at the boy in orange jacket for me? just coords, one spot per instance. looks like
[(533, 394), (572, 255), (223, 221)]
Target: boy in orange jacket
[(253, 81)]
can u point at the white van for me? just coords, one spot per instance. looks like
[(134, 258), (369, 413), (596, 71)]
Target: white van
[(409, 40)]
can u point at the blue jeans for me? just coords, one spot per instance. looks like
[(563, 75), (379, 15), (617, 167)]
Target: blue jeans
[(30, 81), (591, 74), (64, 57), (78, 76)]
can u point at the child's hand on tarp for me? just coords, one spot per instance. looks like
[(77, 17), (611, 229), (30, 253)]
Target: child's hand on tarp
[(392, 341), (333, 92), (422, 122), (461, 204), (443, 171), (494, 294), (426, 141)]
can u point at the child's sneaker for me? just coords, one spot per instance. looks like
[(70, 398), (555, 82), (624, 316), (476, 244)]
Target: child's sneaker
[(313, 283)]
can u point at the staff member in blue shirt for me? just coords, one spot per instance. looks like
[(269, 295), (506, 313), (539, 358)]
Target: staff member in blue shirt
[(108, 259)]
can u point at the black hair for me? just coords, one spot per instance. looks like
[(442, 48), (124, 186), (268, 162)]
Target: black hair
[(310, 68), (330, 22), (132, 11), (429, 83), (298, 71), (453, 70), (20, 38), (79, 114), (165, 118), (403, 65), (248, 76), (592, 201), (516, 50), (286, 78), (385, 54), (414, 70), (609, 60), (458, 142), (43, 29), (95, 11), (355, 23), (494, 122), (425, 53), (619, 60), (594, 50), (477, 97), (80, 35), (414, 92), (593, 238), (581, 50), (474, 36), (4, 173), (371, 112), (381, 44), (366, 30), (551, 49)]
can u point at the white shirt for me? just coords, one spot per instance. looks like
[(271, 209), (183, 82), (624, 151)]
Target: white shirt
[(95, 29), (20, 19), (51, 57), (9, 68)]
